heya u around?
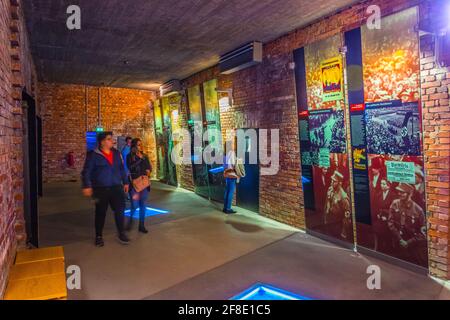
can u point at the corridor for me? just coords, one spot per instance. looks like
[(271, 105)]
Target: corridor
[(197, 252), (282, 150)]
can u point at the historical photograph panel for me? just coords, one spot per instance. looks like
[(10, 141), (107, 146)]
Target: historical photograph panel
[(394, 130)]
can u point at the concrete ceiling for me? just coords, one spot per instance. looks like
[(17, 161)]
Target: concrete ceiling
[(142, 43)]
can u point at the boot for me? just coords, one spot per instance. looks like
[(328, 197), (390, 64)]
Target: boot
[(142, 229)]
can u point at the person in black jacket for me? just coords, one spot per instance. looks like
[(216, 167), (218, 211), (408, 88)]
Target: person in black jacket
[(104, 178), (138, 165)]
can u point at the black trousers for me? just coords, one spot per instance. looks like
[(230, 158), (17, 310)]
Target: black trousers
[(109, 196)]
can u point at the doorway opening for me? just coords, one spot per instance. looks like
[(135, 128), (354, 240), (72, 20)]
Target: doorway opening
[(32, 167)]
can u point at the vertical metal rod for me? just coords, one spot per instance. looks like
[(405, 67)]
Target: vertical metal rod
[(349, 143), (86, 101), (99, 106)]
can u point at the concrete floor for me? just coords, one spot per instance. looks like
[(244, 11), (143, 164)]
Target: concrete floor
[(197, 252)]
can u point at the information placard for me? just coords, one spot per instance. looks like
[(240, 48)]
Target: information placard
[(402, 172), (324, 158)]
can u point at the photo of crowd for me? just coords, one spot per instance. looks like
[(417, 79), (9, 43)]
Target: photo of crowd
[(327, 131), (315, 54), (398, 211), (391, 59), (393, 130), (332, 198)]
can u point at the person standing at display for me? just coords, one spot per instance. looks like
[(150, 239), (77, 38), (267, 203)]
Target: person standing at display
[(231, 178), (140, 171), (126, 151), (104, 178), (407, 225)]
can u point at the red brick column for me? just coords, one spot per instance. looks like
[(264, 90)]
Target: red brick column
[(436, 115), (16, 74)]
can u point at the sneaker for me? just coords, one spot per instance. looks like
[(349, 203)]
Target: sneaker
[(142, 229), (123, 239), (99, 242), (229, 211)]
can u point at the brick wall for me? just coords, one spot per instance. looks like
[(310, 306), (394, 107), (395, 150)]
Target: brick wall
[(66, 120), (436, 124), (16, 74), (264, 97)]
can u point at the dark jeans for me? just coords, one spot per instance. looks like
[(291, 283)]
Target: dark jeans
[(140, 203), (109, 196), (229, 193)]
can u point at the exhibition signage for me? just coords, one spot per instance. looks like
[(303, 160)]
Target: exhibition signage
[(332, 79), (402, 172)]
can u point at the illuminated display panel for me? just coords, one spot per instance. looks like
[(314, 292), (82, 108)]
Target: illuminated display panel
[(324, 154), (392, 124)]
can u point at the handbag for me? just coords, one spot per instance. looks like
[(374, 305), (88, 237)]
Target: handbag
[(141, 183), (240, 168), (230, 173)]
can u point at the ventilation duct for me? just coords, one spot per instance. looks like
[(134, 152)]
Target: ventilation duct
[(241, 58), (170, 87)]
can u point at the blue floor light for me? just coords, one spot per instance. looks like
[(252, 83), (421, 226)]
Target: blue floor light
[(216, 170), (148, 213), (264, 292)]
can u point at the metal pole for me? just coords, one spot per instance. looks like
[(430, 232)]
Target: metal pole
[(99, 106), (86, 99), (346, 108)]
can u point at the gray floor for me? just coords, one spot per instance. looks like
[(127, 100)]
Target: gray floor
[(196, 252)]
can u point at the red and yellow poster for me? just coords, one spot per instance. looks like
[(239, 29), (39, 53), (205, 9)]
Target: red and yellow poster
[(317, 55), (332, 79)]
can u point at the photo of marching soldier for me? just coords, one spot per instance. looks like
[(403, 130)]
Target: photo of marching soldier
[(337, 212), (398, 211), (407, 225), (332, 199)]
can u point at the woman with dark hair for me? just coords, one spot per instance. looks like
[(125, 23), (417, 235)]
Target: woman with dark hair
[(140, 169)]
